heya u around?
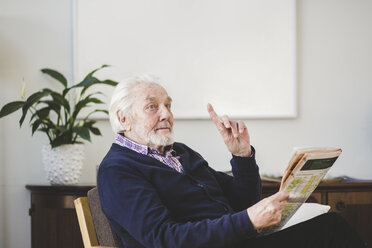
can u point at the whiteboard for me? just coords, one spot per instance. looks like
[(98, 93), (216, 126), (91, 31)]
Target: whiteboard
[(239, 55)]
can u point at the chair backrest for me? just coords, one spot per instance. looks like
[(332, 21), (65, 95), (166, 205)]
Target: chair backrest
[(106, 236), (95, 229)]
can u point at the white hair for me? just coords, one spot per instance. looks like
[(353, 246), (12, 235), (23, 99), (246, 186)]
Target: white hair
[(122, 99)]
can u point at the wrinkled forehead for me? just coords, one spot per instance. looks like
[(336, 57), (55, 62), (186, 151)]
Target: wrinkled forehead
[(146, 92)]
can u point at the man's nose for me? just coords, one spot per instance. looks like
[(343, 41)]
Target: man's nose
[(165, 113)]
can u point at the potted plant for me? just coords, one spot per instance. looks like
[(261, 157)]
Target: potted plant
[(59, 117)]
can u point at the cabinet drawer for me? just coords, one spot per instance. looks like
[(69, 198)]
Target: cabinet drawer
[(341, 200), (315, 197), (356, 208)]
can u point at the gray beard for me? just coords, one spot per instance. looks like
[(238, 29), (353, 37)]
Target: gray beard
[(153, 138)]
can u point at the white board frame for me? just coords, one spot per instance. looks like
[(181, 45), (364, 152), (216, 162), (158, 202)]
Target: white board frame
[(235, 106)]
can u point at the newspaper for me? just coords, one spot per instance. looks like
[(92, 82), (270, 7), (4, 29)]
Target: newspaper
[(306, 169)]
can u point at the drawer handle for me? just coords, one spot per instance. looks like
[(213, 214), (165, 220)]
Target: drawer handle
[(340, 205)]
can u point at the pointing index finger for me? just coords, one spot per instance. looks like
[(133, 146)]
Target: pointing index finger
[(212, 114)]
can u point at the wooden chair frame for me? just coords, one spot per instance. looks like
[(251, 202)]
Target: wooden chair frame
[(88, 232)]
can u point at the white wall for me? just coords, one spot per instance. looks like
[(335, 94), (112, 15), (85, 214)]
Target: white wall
[(33, 35), (335, 102)]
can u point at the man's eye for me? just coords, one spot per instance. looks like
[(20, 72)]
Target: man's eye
[(168, 106), (152, 106)]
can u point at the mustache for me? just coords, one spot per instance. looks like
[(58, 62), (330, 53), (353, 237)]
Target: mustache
[(163, 125)]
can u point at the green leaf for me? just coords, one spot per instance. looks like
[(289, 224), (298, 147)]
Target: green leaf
[(88, 81), (65, 91), (43, 129), (41, 114), (50, 123), (61, 100), (94, 111), (31, 100), (102, 110), (95, 130), (95, 93), (65, 138), (53, 105), (61, 129), (83, 132), (109, 82), (83, 103), (94, 71), (35, 125), (56, 75), (10, 108), (89, 123)]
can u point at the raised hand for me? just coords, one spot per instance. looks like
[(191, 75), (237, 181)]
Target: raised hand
[(268, 211), (234, 133)]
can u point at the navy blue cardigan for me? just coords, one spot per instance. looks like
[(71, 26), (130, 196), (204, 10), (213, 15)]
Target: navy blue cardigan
[(149, 204)]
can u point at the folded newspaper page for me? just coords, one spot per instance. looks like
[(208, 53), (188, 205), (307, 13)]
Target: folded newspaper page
[(306, 169)]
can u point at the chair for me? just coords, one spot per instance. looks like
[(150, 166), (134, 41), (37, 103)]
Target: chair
[(94, 226)]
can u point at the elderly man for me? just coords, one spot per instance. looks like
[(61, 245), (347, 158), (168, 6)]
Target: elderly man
[(160, 193)]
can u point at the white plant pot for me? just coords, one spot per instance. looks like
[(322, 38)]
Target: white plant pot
[(63, 164)]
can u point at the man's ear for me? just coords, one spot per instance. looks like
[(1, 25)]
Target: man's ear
[(123, 121)]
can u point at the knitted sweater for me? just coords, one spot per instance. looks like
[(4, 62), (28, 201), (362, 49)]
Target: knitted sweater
[(149, 204)]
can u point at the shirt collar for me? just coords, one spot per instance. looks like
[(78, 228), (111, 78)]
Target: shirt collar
[(143, 149)]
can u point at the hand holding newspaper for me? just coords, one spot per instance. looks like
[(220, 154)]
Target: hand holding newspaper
[(306, 169)]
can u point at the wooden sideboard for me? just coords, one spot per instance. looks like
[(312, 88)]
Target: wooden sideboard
[(54, 222), (353, 200), (53, 217)]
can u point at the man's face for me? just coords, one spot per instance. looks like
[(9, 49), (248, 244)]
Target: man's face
[(152, 120)]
